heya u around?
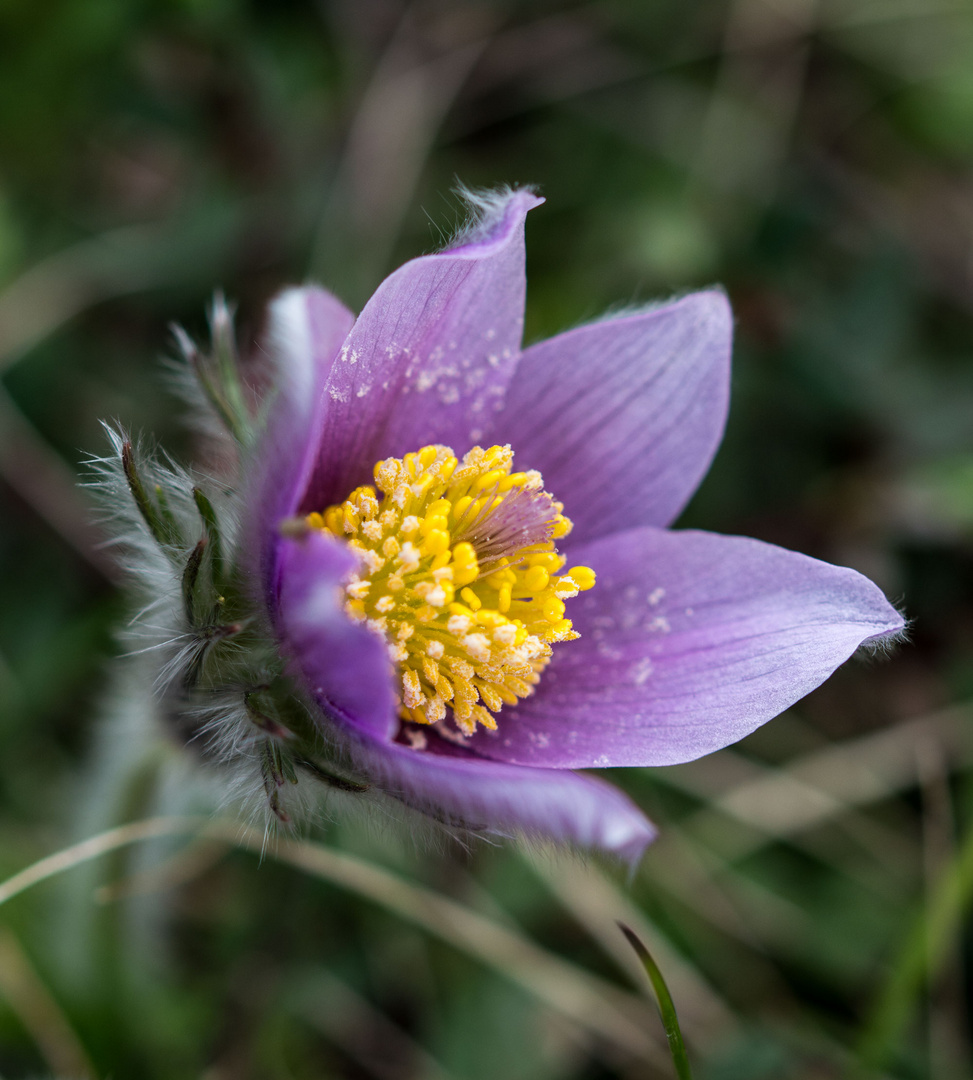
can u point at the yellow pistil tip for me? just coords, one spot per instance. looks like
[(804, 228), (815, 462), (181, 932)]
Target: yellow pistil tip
[(458, 571)]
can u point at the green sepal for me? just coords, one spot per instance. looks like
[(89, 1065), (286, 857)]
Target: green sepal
[(208, 516), (165, 513), (190, 580), (218, 375), (206, 637), (260, 719), (332, 779), (298, 737), (273, 778), (228, 363), (162, 527), (287, 768)]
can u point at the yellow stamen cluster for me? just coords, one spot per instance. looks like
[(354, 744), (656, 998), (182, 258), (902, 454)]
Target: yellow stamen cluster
[(459, 572)]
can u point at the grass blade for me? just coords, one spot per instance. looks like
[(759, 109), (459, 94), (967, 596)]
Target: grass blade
[(923, 952), (666, 1007), (595, 1005)]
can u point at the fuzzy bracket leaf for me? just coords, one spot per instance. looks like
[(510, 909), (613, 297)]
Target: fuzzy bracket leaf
[(155, 512), (218, 371)]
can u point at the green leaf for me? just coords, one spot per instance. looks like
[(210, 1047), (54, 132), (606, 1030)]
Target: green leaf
[(666, 1007)]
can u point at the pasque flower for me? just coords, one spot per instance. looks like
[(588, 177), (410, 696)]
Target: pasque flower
[(460, 553)]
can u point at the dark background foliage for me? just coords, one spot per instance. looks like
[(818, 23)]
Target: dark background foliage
[(806, 899)]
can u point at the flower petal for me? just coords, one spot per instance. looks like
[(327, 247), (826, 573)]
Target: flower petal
[(305, 331), (488, 796), (344, 666), (623, 417), (430, 356), (347, 672), (689, 642)]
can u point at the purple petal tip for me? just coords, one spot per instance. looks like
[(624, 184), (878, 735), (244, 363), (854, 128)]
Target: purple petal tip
[(497, 216)]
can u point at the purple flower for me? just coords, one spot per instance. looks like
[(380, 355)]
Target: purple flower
[(688, 640)]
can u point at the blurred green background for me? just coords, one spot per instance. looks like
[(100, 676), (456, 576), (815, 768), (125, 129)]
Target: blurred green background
[(808, 894)]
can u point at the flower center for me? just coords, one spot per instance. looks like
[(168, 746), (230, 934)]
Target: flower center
[(458, 571)]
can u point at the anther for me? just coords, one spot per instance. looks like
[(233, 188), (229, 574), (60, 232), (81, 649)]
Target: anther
[(458, 572)]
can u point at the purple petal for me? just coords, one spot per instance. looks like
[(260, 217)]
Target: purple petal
[(689, 642), (623, 417), (488, 796), (347, 672), (305, 331), (344, 666), (430, 356)]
